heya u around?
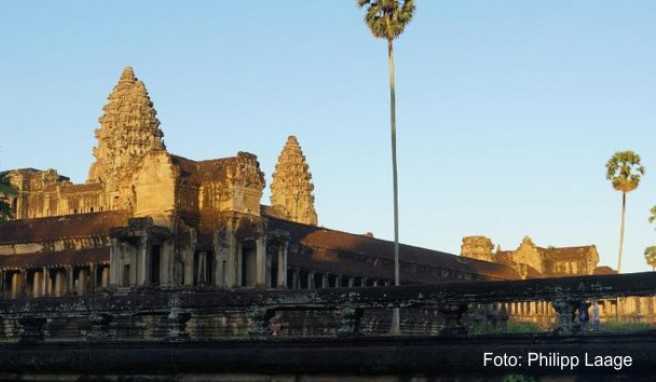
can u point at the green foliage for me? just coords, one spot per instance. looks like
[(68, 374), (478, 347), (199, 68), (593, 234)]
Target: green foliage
[(512, 327), (5, 190), (624, 171), (624, 326), (517, 378), (523, 327), (387, 18), (650, 256), (652, 216)]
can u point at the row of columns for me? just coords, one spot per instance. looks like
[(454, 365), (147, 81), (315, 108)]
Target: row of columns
[(529, 308), (55, 282), (298, 278), (607, 308), (259, 262)]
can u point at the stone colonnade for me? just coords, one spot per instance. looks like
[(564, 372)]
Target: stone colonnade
[(54, 281), (147, 255), (300, 278), (630, 309)]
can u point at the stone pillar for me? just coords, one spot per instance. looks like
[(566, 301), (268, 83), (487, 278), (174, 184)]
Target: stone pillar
[(187, 255), (37, 284), (201, 269), (282, 265), (105, 276), (115, 263), (70, 279), (325, 280), (143, 260), (82, 282), (261, 262), (310, 280), (25, 288), (233, 270), (351, 282), (45, 287), (15, 284), (375, 283), (59, 283), (93, 274), (219, 267), (167, 262)]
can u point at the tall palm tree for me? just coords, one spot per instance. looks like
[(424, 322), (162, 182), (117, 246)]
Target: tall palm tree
[(650, 256), (624, 172), (387, 19)]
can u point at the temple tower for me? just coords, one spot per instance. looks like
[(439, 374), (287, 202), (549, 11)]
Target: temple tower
[(129, 129), (291, 189), (477, 247)]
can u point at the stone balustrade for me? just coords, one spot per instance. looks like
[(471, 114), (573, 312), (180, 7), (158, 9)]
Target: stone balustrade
[(155, 314)]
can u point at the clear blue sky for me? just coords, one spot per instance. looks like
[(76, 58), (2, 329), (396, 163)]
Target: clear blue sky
[(507, 110)]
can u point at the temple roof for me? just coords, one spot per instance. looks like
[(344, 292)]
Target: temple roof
[(566, 253), (55, 259), (61, 227), (327, 243)]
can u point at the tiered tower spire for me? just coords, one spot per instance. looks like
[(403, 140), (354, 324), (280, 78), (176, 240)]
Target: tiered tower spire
[(129, 129), (291, 189)]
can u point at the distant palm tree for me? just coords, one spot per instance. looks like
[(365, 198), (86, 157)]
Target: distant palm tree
[(624, 172), (387, 19), (650, 256)]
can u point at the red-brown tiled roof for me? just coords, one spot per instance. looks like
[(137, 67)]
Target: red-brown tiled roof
[(61, 227), (55, 259), (604, 270), (328, 243)]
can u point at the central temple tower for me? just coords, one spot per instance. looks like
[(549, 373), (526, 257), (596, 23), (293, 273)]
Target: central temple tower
[(291, 189), (129, 129)]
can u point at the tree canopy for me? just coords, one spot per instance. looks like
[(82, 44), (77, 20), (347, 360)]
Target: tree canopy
[(624, 170), (650, 256), (387, 18), (5, 191)]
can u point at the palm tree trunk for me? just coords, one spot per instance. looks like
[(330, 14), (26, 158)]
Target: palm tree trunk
[(619, 260), (396, 318)]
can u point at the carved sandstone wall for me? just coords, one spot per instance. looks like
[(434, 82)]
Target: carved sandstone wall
[(134, 173), (477, 247)]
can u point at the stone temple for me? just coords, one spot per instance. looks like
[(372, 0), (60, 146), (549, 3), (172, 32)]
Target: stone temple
[(148, 218)]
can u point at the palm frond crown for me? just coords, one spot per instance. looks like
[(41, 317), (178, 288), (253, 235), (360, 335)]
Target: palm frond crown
[(387, 18), (624, 170)]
